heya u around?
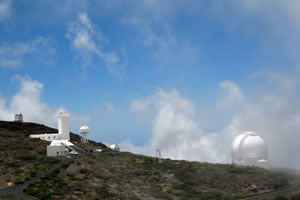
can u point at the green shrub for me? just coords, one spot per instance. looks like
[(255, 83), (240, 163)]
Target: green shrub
[(295, 196), (7, 197), (281, 198), (83, 171), (104, 193)]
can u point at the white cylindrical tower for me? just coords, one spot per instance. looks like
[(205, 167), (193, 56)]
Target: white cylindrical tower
[(63, 125), (250, 149), (84, 130), (19, 117)]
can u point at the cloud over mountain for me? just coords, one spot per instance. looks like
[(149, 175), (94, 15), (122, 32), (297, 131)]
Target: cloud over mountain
[(177, 131)]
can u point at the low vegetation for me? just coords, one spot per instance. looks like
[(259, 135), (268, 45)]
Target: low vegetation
[(291, 196), (7, 197), (21, 157), (122, 175), (114, 175)]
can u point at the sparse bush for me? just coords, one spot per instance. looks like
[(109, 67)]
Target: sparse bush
[(83, 171), (7, 197), (103, 192), (295, 196), (281, 198)]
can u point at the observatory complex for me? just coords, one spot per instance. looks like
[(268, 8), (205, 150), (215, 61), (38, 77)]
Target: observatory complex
[(60, 144), (250, 149)]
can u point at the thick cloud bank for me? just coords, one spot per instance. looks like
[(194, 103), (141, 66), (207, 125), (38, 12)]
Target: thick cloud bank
[(28, 101), (274, 113)]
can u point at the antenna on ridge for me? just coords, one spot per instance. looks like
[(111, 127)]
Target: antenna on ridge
[(157, 158)]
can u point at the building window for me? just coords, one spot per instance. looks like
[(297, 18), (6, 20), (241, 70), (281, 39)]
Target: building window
[(57, 153), (54, 137), (48, 137)]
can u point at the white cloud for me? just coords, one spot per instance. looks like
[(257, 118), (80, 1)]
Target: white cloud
[(232, 96), (138, 106), (109, 107), (151, 38), (12, 55), (88, 41), (128, 146), (176, 128), (5, 9), (28, 101), (281, 81), (161, 39)]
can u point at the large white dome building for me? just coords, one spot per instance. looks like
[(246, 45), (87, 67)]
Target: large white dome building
[(250, 149)]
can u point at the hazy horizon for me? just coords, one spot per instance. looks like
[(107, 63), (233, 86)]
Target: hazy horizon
[(182, 76)]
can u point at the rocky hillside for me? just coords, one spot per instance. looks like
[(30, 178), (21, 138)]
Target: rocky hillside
[(21, 157), (122, 175)]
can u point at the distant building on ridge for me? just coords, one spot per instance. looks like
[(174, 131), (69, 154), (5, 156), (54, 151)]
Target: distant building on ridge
[(84, 130), (114, 147), (18, 117)]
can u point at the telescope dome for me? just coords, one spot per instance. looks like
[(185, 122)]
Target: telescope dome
[(84, 129), (19, 117), (114, 147), (249, 149)]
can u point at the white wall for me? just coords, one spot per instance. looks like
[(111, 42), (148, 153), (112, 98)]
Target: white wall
[(64, 127), (57, 150), (47, 137)]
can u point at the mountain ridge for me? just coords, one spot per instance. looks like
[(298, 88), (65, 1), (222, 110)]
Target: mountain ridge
[(122, 175)]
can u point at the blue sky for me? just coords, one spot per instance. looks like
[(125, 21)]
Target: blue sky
[(142, 72)]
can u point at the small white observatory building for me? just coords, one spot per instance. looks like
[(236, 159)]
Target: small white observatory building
[(18, 117), (250, 149), (57, 148), (84, 130), (114, 147)]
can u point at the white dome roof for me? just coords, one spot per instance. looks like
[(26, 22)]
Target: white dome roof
[(114, 147), (61, 113), (248, 146), (19, 117), (84, 129)]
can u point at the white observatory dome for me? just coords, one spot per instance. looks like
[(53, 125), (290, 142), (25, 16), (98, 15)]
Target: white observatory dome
[(84, 129), (114, 147), (249, 149), (19, 117)]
